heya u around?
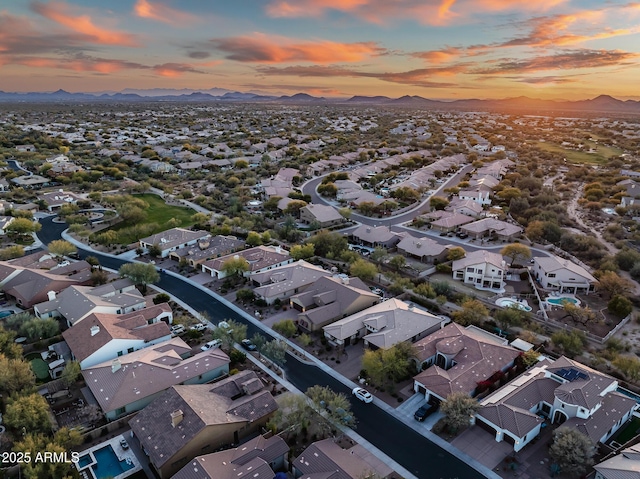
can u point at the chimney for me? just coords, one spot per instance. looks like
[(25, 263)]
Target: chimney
[(95, 330), (115, 365), (51, 295), (176, 417)]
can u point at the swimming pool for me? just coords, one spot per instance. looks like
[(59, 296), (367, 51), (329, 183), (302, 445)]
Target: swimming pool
[(559, 301), (108, 464), (84, 461), (511, 303)]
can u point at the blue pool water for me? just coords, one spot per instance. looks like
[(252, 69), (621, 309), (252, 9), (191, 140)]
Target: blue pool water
[(84, 461), (561, 300), (108, 464)]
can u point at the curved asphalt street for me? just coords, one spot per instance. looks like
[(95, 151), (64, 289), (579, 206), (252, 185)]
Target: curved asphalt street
[(413, 451)]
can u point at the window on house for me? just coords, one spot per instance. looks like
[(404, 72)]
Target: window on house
[(120, 411), (120, 353), (551, 275), (130, 350), (469, 270)]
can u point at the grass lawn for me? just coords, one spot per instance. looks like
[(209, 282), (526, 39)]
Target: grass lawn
[(158, 212), (629, 431), (603, 153), (39, 366)]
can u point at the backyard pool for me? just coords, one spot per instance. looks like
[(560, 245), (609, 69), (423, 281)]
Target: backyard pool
[(84, 461), (560, 300), (511, 302), (108, 464)]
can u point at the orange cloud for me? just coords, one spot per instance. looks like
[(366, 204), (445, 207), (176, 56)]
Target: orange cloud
[(260, 48), (433, 12), (439, 56), (62, 14), (163, 13)]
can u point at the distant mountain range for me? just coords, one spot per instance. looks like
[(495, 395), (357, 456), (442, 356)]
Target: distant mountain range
[(603, 103)]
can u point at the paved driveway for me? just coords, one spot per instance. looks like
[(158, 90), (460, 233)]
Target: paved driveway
[(482, 446)]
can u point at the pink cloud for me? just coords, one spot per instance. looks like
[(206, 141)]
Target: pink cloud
[(432, 12), (163, 13), (260, 48), (62, 14)]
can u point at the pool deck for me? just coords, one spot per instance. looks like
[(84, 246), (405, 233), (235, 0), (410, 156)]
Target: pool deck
[(121, 454)]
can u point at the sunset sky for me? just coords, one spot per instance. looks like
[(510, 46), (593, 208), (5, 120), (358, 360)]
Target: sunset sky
[(441, 49)]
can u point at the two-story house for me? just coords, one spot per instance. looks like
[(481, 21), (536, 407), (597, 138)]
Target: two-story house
[(483, 269)]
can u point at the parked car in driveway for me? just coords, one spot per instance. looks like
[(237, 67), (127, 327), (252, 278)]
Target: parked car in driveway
[(424, 412), (216, 343), (177, 329), (362, 394)]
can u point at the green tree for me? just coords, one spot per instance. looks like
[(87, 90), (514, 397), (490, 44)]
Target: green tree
[(235, 266), (572, 451), (517, 252), (294, 415), (229, 332), (30, 412), (509, 317), (302, 251), (276, 351), (438, 203), (253, 239), (345, 213), (456, 253), (425, 289), (336, 405), (612, 284), (378, 254), (11, 252), (620, 306), (141, 274), (286, 328), (329, 245), (472, 312), (397, 262), (15, 375), (245, 294), (387, 366), (530, 358), (458, 409), (154, 250), (363, 269), (70, 373), (23, 226), (64, 440), (36, 328), (161, 298), (572, 343), (629, 366), (61, 248)]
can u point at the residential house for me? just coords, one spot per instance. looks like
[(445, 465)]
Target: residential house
[(564, 391), (456, 359), (256, 458), (322, 215), (465, 207), (559, 274), (425, 249), (479, 194), (326, 459), (375, 236), (625, 465), (173, 239), (489, 227), (207, 248), (448, 221), (76, 302), (131, 382), (101, 337), (57, 199), (187, 421), (260, 258), (285, 281), (25, 148), (329, 299), (61, 166), (481, 268), (31, 286), (384, 325), (31, 181)]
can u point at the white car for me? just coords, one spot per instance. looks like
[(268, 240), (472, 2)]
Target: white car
[(216, 343), (177, 329), (362, 394), (198, 327)]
